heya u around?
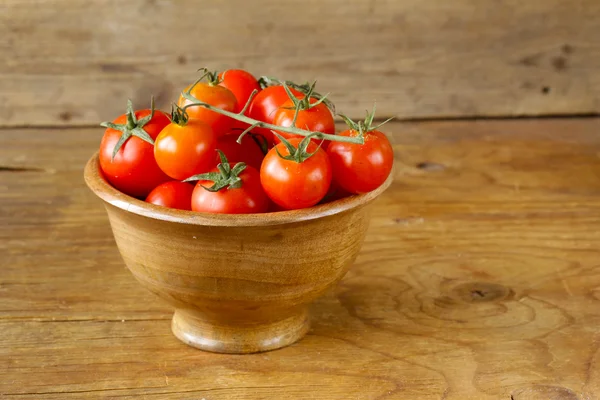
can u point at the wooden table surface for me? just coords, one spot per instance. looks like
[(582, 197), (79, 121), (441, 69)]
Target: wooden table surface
[(479, 279)]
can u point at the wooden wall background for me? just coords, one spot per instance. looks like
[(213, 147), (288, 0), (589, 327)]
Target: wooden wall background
[(74, 62)]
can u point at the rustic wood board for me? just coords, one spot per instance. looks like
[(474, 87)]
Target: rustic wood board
[(479, 279), (73, 62)]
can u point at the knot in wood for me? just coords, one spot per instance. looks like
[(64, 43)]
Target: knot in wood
[(479, 292)]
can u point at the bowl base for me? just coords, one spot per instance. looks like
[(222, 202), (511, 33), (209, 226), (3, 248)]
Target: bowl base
[(195, 330)]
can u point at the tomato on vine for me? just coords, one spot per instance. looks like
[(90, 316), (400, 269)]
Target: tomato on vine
[(215, 95), (360, 168), (265, 104), (296, 173), (306, 113), (229, 189), (127, 151), (173, 194), (251, 150), (185, 147), (240, 83)]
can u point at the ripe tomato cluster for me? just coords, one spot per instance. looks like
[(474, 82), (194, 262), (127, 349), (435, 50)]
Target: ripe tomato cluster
[(234, 144)]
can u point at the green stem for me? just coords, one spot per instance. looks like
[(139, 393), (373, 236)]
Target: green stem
[(287, 129)]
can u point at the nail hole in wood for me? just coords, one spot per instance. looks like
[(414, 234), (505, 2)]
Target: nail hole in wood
[(559, 63), (65, 116)]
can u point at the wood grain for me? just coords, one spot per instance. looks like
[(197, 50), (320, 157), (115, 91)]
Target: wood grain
[(76, 62), (479, 279)]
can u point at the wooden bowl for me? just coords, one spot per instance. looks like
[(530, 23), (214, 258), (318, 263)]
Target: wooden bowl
[(239, 283)]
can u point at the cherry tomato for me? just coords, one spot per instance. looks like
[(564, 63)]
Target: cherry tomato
[(360, 168), (265, 104), (216, 96), (185, 150), (240, 83), (247, 199), (294, 185), (173, 194), (316, 119), (249, 151), (133, 170)]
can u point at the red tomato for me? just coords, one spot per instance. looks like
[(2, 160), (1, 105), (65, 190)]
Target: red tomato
[(265, 105), (216, 96), (316, 119), (185, 150), (360, 168), (173, 194), (240, 83), (294, 185), (249, 151), (133, 171), (247, 199)]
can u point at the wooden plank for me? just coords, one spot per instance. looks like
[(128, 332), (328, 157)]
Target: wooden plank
[(76, 62), (478, 279)]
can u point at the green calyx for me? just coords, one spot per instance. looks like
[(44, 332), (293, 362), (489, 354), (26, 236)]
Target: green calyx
[(297, 154), (266, 81), (365, 126), (178, 115), (227, 177), (304, 103), (306, 88), (211, 76), (309, 91), (133, 127), (213, 80)]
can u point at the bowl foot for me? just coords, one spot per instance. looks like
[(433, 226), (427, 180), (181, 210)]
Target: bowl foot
[(196, 330)]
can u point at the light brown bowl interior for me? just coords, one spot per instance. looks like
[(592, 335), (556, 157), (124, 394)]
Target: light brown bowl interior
[(98, 184)]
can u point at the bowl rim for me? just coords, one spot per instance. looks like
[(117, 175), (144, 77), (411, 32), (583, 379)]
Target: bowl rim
[(100, 186)]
